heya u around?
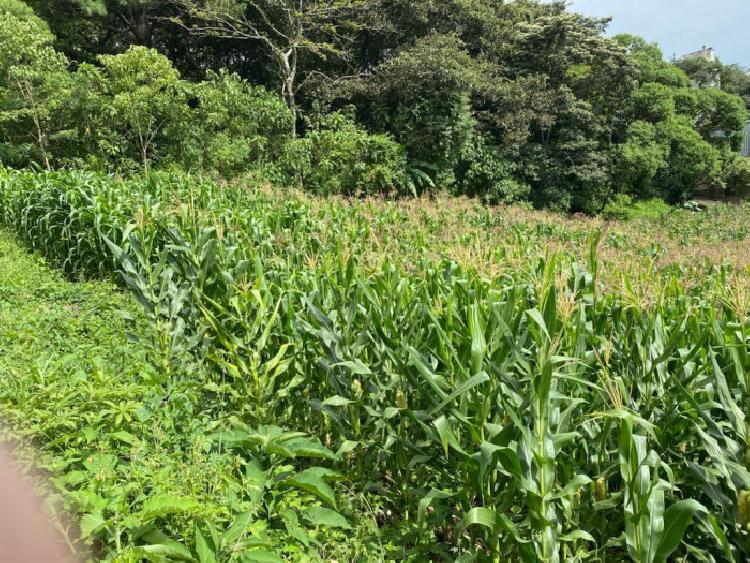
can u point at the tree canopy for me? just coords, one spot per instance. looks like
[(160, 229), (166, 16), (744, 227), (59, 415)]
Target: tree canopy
[(499, 100)]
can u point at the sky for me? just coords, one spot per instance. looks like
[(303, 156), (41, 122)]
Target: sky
[(680, 26)]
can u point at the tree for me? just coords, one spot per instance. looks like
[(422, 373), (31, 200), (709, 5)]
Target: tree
[(583, 83), (287, 29), (736, 80), (33, 82), (639, 159), (649, 59), (423, 97), (567, 165), (136, 97), (732, 79), (22, 11), (703, 73), (135, 15), (692, 161), (88, 28), (681, 137), (654, 102), (720, 118)]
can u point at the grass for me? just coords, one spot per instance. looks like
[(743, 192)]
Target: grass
[(372, 380)]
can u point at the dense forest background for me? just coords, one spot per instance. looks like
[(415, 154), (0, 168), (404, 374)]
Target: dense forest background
[(507, 101)]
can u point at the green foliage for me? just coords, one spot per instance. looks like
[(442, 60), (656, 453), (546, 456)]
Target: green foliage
[(678, 142), (503, 102), (666, 160), (651, 65), (232, 126), (339, 157), (140, 95), (113, 458), (735, 80), (730, 78), (692, 161), (581, 180), (702, 72), (422, 96), (22, 11), (670, 160), (736, 171), (720, 118), (654, 102), (587, 87), (483, 172), (640, 158), (623, 207), (136, 109), (86, 29), (33, 85)]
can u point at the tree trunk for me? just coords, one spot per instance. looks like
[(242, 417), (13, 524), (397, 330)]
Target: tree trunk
[(27, 90), (292, 103), (288, 65), (42, 147), (140, 25)]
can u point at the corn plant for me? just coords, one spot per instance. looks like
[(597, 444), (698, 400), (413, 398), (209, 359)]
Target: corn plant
[(496, 401)]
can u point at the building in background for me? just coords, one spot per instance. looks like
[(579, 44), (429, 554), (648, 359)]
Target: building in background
[(706, 53)]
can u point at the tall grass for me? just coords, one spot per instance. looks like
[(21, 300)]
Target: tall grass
[(527, 415)]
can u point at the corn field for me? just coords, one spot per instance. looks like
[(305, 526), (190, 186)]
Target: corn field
[(533, 411)]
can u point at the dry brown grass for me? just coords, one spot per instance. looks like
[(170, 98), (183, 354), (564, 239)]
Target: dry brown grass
[(636, 257)]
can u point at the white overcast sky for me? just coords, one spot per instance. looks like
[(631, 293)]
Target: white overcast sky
[(680, 26)]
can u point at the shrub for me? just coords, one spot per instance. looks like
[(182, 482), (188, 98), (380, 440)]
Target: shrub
[(136, 111), (232, 125), (737, 175), (338, 157), (423, 97), (692, 161), (483, 172), (624, 207), (639, 158)]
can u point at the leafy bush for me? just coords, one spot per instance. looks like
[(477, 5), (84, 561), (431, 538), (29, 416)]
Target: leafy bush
[(231, 126), (692, 161), (138, 95), (623, 207), (135, 111), (422, 97), (639, 159), (736, 173), (338, 157), (483, 172)]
